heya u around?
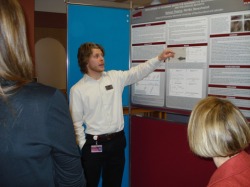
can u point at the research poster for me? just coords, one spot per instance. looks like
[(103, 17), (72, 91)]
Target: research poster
[(229, 69), (211, 41)]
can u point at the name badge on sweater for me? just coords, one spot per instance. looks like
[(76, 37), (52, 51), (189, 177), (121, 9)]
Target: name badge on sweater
[(109, 87)]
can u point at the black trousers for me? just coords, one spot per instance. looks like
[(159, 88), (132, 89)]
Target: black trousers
[(109, 163)]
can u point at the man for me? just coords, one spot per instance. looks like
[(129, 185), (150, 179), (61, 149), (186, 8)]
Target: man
[(96, 101)]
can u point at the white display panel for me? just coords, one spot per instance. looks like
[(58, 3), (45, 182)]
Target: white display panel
[(211, 41)]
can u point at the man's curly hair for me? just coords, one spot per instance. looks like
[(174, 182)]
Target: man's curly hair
[(84, 52)]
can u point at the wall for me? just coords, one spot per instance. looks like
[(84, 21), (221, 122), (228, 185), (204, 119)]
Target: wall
[(160, 156), (50, 47), (28, 7)]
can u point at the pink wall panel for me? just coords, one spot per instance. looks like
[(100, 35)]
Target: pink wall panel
[(160, 156), (29, 7)]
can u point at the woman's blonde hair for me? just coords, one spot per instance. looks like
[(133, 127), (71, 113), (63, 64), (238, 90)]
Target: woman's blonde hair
[(15, 61), (217, 128)]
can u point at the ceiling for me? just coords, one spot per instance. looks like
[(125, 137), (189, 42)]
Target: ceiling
[(59, 5), (137, 3)]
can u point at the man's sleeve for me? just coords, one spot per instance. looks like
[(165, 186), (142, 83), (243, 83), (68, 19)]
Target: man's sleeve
[(77, 113), (139, 72)]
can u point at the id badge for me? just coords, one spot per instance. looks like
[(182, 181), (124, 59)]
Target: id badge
[(96, 148)]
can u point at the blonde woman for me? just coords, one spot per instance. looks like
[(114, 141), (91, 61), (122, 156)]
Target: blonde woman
[(218, 130), (37, 141)]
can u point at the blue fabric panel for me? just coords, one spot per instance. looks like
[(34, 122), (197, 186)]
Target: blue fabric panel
[(110, 27)]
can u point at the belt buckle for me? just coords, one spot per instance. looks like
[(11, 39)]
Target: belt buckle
[(95, 137)]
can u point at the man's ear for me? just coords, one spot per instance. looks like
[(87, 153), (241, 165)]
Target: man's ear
[(87, 66)]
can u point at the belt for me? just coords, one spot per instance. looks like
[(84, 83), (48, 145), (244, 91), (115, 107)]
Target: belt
[(105, 137)]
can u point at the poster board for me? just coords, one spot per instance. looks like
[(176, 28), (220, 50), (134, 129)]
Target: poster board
[(211, 39)]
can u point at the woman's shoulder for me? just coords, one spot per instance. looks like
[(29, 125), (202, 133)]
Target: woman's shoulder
[(38, 90)]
